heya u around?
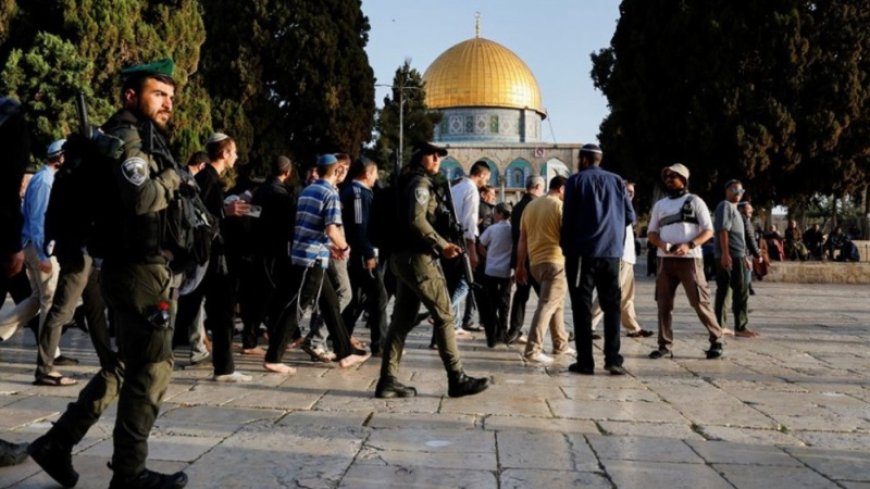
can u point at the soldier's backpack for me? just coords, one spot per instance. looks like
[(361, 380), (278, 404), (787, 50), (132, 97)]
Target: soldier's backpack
[(84, 208)]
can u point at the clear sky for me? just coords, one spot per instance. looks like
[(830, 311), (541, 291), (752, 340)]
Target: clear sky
[(553, 37)]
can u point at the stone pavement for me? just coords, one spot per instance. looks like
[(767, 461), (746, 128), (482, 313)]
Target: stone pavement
[(788, 410)]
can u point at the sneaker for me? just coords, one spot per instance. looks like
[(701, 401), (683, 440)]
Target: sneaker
[(197, 358), (615, 369), (148, 479), (661, 353), (318, 355), (513, 336), (55, 460), (64, 361), (566, 351), (577, 369), (715, 350), (234, 378), (12, 453), (460, 385), (644, 333), (389, 387), (474, 328), (540, 357), (522, 340)]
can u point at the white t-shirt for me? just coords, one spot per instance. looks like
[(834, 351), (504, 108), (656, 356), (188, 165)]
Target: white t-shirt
[(498, 243), (466, 200), (680, 232)]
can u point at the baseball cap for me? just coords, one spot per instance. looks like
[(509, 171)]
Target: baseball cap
[(55, 148), (678, 168)]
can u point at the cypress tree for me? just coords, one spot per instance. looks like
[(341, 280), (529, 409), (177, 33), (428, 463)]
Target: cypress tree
[(418, 120)]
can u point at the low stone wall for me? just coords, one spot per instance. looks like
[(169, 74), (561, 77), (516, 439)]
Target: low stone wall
[(819, 273), (863, 249)]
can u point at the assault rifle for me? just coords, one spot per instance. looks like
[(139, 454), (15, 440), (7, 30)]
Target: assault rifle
[(456, 235)]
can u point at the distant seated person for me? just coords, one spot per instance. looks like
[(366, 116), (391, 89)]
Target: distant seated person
[(813, 239), (775, 243), (794, 246), (839, 247)]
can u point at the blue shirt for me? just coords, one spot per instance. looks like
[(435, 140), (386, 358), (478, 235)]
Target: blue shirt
[(33, 209), (595, 213), (318, 207)]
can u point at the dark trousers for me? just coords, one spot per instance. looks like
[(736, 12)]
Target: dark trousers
[(521, 298), (601, 274), (217, 290), (369, 295), (140, 375), (258, 297), (307, 285), (499, 292)]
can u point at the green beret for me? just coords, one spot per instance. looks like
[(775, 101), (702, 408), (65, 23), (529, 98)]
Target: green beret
[(160, 67)]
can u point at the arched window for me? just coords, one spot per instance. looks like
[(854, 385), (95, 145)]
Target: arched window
[(554, 167), (451, 169), (516, 173)]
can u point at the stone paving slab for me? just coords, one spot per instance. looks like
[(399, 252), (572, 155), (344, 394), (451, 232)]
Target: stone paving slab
[(552, 479), (790, 409)]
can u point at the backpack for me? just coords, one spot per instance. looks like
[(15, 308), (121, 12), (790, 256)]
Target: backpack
[(82, 210), (189, 229)]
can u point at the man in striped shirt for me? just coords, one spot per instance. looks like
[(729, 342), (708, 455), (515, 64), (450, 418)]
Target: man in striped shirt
[(317, 239)]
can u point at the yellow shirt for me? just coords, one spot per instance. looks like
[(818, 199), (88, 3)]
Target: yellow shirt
[(542, 222)]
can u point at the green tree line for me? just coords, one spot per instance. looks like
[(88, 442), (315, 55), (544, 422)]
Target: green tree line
[(776, 93), (281, 76)]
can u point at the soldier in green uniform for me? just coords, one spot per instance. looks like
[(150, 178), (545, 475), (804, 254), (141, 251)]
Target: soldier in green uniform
[(418, 245), (137, 284)]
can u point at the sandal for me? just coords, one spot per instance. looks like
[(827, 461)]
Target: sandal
[(55, 381)]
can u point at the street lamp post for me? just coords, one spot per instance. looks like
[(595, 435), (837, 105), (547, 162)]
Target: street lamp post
[(401, 89)]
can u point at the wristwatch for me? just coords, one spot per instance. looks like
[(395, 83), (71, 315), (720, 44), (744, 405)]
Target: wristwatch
[(692, 245)]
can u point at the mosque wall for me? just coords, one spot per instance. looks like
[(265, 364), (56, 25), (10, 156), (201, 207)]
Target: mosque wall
[(488, 124)]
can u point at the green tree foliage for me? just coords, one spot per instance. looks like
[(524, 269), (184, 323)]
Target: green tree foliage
[(236, 62), (46, 79), (289, 76), (83, 44), (775, 93), (320, 79), (418, 120)]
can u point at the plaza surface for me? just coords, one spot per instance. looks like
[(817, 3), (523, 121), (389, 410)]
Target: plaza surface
[(788, 410)]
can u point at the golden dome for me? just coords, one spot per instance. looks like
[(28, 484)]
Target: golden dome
[(481, 73)]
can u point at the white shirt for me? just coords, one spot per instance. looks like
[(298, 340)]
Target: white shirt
[(680, 232), (498, 242), (466, 200)]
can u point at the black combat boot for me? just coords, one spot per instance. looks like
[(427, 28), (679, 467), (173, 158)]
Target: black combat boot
[(462, 385), (55, 458), (148, 479), (715, 350), (389, 387), (12, 453)]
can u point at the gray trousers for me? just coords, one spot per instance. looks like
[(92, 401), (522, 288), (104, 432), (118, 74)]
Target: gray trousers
[(78, 279), (337, 273)]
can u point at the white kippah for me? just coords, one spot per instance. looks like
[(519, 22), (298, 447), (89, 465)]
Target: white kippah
[(217, 137)]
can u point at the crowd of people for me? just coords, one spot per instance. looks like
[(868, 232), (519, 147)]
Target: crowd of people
[(340, 246)]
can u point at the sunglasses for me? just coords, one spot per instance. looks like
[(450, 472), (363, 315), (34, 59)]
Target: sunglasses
[(668, 176)]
